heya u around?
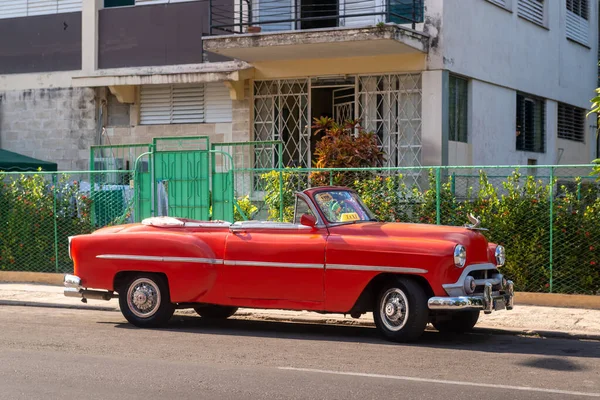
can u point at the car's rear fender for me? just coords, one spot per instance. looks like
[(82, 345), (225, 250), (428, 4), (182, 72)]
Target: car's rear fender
[(189, 263)]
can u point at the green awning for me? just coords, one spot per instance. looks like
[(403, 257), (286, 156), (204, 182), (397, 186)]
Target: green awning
[(10, 161)]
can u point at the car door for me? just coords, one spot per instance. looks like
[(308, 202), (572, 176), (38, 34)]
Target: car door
[(276, 261)]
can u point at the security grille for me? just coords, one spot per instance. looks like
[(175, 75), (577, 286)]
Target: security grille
[(281, 112), (577, 21), (344, 102), (532, 10), (530, 124), (571, 123), (390, 105)]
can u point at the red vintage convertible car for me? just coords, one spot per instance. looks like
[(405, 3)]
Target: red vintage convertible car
[(334, 258)]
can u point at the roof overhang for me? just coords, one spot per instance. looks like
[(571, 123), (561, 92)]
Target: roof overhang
[(122, 81), (321, 43)]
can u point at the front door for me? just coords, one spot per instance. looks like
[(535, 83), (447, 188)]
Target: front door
[(274, 262)]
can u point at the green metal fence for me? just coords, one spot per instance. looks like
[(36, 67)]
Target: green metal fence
[(548, 217), (39, 211)]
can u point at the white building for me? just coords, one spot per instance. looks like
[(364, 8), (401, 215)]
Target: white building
[(442, 82)]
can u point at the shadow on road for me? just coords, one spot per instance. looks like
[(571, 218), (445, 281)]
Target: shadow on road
[(483, 342)]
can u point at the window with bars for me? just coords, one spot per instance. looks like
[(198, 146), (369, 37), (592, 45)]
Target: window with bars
[(532, 10), (184, 104), (571, 122), (458, 109), (577, 21), (530, 123)]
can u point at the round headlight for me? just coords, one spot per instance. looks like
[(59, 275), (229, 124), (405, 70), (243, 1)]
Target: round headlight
[(460, 255), (500, 256)]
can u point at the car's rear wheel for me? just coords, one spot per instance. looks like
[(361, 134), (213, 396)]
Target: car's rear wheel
[(457, 322), (145, 301), (400, 310), (215, 312)]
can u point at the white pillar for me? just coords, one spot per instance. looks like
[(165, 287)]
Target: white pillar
[(434, 117), (89, 35)]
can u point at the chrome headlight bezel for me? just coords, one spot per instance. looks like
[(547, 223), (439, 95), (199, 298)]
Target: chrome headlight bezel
[(500, 254), (69, 247), (460, 256)]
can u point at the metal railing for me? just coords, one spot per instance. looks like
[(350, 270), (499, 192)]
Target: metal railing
[(246, 16)]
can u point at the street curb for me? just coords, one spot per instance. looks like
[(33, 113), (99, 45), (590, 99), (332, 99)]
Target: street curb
[(19, 303), (245, 315)]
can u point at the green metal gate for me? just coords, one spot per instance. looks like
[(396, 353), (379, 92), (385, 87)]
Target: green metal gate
[(181, 177)]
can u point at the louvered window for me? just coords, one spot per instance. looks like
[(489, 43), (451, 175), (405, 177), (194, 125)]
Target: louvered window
[(501, 3), (532, 10), (571, 123), (184, 104), (531, 123), (29, 8), (458, 107), (577, 21)]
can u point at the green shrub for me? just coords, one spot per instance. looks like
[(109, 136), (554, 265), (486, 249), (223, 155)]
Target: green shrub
[(29, 238), (247, 207)]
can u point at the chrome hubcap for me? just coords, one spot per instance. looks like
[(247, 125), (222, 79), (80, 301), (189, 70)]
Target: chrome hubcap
[(143, 298), (394, 309)]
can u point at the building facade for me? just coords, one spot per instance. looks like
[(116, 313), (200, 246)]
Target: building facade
[(441, 82)]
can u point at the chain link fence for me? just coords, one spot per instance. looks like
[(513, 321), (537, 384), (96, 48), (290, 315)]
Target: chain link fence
[(547, 217), (39, 211)]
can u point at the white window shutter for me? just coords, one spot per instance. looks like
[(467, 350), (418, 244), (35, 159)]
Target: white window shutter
[(13, 8), (149, 2), (41, 7), (348, 8), (171, 104), (67, 6), (532, 10), (155, 105), (218, 103), (188, 104), (501, 3)]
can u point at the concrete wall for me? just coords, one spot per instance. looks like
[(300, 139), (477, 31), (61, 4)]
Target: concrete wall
[(50, 124), (502, 52)]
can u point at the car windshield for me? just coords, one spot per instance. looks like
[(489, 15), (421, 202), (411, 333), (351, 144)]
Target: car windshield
[(343, 206)]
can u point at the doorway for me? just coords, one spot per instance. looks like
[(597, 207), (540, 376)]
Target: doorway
[(334, 98)]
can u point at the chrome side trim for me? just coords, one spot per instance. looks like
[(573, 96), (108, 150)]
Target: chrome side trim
[(240, 226), (241, 263), (160, 258), (272, 264), (403, 270), (457, 288)]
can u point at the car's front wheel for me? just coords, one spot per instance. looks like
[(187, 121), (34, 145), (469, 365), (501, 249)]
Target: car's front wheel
[(400, 311), (145, 301)]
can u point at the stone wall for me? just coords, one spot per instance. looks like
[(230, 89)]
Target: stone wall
[(56, 125)]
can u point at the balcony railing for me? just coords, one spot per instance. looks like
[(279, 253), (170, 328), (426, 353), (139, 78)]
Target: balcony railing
[(250, 16)]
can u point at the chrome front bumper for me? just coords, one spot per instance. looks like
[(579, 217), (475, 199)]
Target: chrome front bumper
[(73, 288), (487, 302)]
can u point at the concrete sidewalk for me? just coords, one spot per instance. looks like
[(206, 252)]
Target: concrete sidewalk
[(524, 319)]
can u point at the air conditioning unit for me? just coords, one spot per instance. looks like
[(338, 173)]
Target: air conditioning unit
[(108, 164)]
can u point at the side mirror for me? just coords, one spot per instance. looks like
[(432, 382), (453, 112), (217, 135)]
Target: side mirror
[(308, 220)]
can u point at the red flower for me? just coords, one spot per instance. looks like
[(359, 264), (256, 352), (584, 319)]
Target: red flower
[(592, 262)]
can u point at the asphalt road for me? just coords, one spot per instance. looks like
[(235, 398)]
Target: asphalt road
[(50, 353)]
